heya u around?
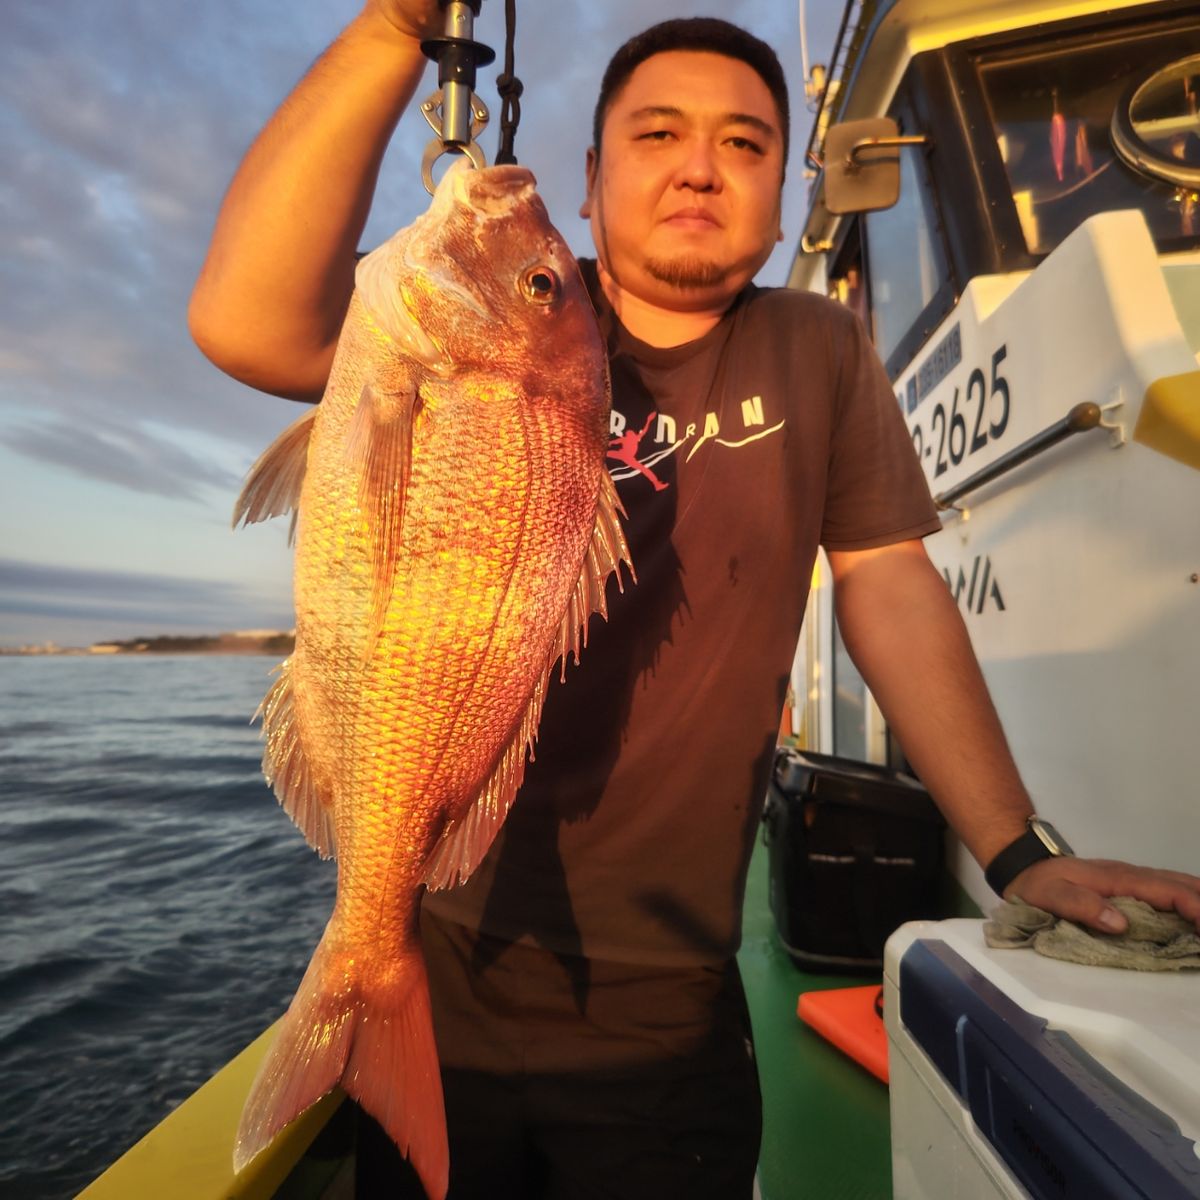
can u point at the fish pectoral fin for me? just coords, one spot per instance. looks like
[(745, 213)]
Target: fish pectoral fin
[(605, 553), (288, 770), (379, 446), (465, 841), (273, 484)]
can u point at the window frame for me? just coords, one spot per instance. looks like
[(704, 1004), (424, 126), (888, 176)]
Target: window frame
[(904, 112), (835, 725), (963, 62)]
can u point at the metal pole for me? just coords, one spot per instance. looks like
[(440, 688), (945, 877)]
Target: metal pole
[(456, 75)]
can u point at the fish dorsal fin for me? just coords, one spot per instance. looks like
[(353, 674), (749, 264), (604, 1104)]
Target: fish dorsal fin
[(273, 484), (606, 551), (379, 446), (287, 767), (466, 841)]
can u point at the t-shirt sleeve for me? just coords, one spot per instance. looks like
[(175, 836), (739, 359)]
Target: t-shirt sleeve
[(876, 492)]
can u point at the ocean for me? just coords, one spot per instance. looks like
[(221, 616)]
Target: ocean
[(158, 906)]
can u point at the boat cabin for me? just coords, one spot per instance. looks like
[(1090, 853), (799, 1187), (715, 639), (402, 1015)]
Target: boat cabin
[(1034, 292)]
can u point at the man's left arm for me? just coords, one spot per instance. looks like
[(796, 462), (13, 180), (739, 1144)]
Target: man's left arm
[(907, 638)]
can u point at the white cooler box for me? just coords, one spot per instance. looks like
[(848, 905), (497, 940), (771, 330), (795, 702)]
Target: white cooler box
[(1016, 1075)]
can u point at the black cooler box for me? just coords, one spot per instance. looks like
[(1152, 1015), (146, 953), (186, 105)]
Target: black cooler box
[(855, 851)]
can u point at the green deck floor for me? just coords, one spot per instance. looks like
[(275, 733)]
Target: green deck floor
[(825, 1119)]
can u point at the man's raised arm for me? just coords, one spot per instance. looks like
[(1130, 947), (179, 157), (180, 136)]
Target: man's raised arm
[(269, 303)]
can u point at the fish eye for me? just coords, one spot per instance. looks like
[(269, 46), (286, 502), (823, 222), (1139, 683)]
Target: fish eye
[(541, 285)]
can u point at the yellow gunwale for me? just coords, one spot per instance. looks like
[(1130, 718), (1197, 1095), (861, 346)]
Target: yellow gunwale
[(189, 1155)]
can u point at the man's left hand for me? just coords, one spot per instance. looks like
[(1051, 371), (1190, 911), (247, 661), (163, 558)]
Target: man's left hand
[(1079, 888)]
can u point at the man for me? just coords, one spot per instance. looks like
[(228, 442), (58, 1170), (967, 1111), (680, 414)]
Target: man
[(590, 1021)]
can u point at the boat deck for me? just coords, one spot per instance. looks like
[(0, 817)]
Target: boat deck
[(825, 1118), (825, 1129)]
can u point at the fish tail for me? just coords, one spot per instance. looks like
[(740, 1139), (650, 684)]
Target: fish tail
[(370, 1029)]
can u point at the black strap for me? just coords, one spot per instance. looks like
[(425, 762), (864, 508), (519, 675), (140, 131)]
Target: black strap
[(509, 87), (1013, 859)]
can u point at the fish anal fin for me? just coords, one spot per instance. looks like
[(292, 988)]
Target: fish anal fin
[(379, 445), (287, 767), (464, 842), (273, 484), (605, 553)]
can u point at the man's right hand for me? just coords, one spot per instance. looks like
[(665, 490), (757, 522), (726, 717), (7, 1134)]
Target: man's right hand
[(418, 18), (270, 300)]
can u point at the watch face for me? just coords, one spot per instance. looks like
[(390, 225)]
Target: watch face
[(1049, 836)]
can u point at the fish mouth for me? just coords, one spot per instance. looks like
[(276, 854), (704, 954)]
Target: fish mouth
[(493, 190)]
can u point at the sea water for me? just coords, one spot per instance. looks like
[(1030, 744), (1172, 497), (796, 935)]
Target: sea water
[(158, 908)]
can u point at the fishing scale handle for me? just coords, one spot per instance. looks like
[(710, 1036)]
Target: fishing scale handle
[(457, 55)]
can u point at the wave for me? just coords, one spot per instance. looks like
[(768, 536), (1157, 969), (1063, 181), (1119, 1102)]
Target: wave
[(159, 907)]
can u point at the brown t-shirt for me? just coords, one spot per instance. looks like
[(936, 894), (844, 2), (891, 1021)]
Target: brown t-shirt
[(734, 455)]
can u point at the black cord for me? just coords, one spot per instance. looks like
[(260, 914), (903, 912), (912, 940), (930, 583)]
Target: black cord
[(510, 88)]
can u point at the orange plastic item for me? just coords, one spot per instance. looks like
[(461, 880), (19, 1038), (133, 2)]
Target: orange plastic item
[(847, 1018)]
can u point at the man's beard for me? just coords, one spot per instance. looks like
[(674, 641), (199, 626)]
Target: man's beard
[(686, 273)]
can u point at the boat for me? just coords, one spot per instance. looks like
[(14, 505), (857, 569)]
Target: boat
[(1034, 291), (1006, 192)]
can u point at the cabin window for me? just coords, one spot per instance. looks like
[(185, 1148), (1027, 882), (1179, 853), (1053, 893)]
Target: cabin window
[(1052, 112), (847, 284), (849, 703), (906, 260)]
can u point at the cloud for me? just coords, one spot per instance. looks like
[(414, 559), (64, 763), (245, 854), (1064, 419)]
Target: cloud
[(42, 589), (77, 606), (124, 455), (121, 125)]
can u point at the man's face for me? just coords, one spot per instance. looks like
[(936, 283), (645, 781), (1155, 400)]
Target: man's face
[(684, 200)]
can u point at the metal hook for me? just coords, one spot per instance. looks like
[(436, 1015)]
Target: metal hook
[(432, 108), (454, 112)]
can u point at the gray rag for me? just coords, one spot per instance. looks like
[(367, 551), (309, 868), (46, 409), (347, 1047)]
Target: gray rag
[(1154, 941)]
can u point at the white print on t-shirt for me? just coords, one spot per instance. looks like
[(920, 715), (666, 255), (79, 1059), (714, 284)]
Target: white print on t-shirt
[(626, 444)]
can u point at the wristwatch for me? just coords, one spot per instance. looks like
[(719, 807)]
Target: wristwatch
[(1040, 840)]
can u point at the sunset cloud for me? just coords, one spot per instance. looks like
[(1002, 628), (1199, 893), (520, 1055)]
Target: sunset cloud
[(120, 127)]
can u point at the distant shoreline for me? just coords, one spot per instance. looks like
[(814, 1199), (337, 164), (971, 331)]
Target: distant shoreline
[(258, 641)]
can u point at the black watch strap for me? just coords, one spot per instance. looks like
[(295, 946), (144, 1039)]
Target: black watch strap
[(1031, 847)]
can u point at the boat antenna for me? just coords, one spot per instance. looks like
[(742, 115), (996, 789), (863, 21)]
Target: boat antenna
[(814, 77), (804, 45)]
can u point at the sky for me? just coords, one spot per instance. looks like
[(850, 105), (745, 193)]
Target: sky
[(121, 448)]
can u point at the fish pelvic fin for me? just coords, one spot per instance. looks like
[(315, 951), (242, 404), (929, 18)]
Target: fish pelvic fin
[(605, 553), (288, 770), (379, 445), (273, 484), (369, 1027), (464, 842)]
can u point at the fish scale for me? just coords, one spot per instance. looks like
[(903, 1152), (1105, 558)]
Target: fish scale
[(456, 528)]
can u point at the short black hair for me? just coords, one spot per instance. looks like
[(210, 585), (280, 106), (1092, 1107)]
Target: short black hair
[(707, 34)]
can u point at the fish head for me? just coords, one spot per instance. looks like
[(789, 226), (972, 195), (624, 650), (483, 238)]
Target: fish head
[(483, 280)]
